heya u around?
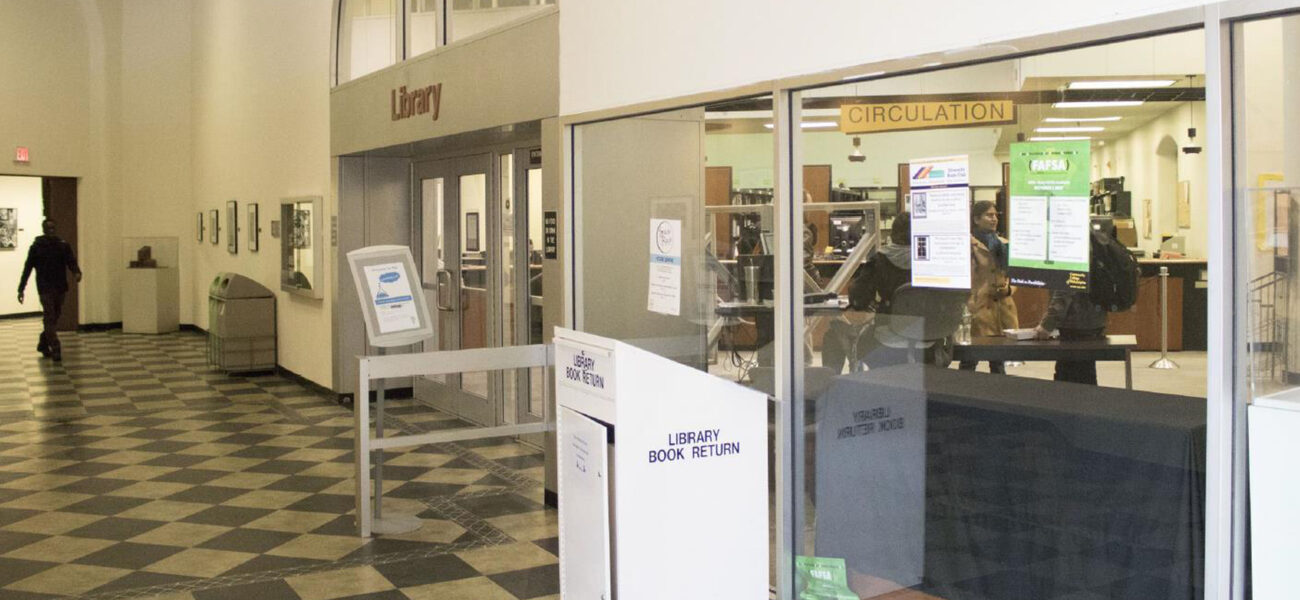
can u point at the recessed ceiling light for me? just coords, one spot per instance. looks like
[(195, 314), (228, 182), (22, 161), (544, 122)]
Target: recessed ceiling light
[(1123, 84), (1097, 104), (1069, 129), (1062, 138), (1080, 119)]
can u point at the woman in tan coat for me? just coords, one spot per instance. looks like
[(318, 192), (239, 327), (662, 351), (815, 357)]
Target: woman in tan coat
[(990, 304)]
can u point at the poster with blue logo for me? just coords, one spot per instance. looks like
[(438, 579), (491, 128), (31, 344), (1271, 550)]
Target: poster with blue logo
[(940, 204), (390, 292)]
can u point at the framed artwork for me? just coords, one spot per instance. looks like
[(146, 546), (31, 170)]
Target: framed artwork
[(254, 229), (8, 228), (1146, 218), (232, 227), (471, 232), (214, 226), (199, 228)]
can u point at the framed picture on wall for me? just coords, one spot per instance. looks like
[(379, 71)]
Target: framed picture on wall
[(254, 229), (214, 226), (232, 227), (471, 232), (199, 228), (8, 228)]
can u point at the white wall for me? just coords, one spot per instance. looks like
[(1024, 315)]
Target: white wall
[(1135, 158), (261, 132), (24, 195), (620, 53)]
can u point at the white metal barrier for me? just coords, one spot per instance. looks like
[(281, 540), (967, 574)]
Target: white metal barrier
[(423, 364)]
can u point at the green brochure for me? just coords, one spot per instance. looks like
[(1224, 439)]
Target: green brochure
[(822, 579)]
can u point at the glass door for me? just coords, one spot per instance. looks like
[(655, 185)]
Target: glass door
[(521, 298), (456, 262)]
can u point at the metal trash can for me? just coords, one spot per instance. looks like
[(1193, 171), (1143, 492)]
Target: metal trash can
[(241, 324)]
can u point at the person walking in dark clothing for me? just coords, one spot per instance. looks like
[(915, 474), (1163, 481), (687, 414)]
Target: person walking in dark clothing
[(1077, 317), (52, 258)]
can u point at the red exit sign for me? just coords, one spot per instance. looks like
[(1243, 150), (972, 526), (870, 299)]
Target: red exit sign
[(21, 155)]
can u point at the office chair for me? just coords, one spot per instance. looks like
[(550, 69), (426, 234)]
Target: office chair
[(921, 318)]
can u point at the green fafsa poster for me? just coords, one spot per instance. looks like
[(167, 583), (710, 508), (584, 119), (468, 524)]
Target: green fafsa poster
[(1048, 222)]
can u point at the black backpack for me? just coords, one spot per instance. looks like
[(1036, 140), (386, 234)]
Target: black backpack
[(1113, 280)]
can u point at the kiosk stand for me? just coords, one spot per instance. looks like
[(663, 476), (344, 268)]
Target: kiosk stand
[(662, 477), (395, 315)]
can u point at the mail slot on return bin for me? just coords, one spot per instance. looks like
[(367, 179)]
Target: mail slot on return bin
[(241, 324)]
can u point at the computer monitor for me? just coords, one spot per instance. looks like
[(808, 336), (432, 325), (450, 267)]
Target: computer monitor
[(1174, 244)]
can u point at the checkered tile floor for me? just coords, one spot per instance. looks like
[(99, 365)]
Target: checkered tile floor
[(133, 471)]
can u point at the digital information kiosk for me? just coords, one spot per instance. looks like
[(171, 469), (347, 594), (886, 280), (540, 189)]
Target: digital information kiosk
[(393, 306), (662, 477)]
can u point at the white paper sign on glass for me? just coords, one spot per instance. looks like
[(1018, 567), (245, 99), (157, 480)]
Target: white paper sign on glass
[(392, 301), (665, 267), (940, 222)]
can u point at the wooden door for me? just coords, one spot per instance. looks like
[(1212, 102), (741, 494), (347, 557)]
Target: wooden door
[(817, 182), (59, 196), (717, 192)]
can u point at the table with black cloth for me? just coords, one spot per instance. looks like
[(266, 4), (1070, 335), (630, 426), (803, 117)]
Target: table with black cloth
[(1032, 489)]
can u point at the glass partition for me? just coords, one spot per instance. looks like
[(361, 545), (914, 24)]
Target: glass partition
[(470, 17), (368, 37), (421, 26), (1004, 329)]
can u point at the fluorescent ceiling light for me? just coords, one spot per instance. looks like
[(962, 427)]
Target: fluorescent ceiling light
[(1123, 84), (1069, 129), (1081, 119), (1097, 104), (811, 124), (1063, 138)]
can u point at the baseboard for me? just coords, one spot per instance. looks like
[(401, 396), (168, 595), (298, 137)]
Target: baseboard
[(399, 393), (24, 315), (97, 327), (193, 328), (551, 499)]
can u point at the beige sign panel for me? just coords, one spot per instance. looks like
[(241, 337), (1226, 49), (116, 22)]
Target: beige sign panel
[(871, 118), (450, 91)]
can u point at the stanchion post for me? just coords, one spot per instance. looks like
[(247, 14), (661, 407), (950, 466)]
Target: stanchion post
[(1164, 362)]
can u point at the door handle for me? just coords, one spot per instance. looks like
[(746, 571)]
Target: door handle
[(444, 290)]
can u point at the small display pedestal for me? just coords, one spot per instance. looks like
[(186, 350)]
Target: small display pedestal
[(150, 285), (673, 502)]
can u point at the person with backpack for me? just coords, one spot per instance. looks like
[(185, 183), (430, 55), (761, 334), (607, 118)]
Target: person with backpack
[(1082, 315)]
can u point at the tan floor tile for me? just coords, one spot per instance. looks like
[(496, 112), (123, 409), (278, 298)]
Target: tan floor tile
[(59, 413), (472, 489), (212, 449), (139, 472), (266, 499), (68, 579), (292, 441), (198, 437), (103, 419), (229, 463), (188, 425), (275, 429), (258, 417), (330, 470), (475, 588), (164, 510), (292, 521), (118, 443), (53, 523), (109, 431), (60, 549), (506, 557), (457, 476), (184, 535), (529, 526), (505, 451), (38, 465), (320, 547), (418, 459), (246, 481), (347, 487), (174, 596), (340, 583), (344, 420), (433, 530), (151, 489), (46, 500), (28, 448), (199, 562), (314, 454), (41, 481)]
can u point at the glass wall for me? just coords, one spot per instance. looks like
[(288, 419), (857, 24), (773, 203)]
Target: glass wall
[(1267, 170), (1005, 329), (369, 36), (470, 17)]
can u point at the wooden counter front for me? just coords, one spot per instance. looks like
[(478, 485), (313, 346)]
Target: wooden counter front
[(1143, 320)]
